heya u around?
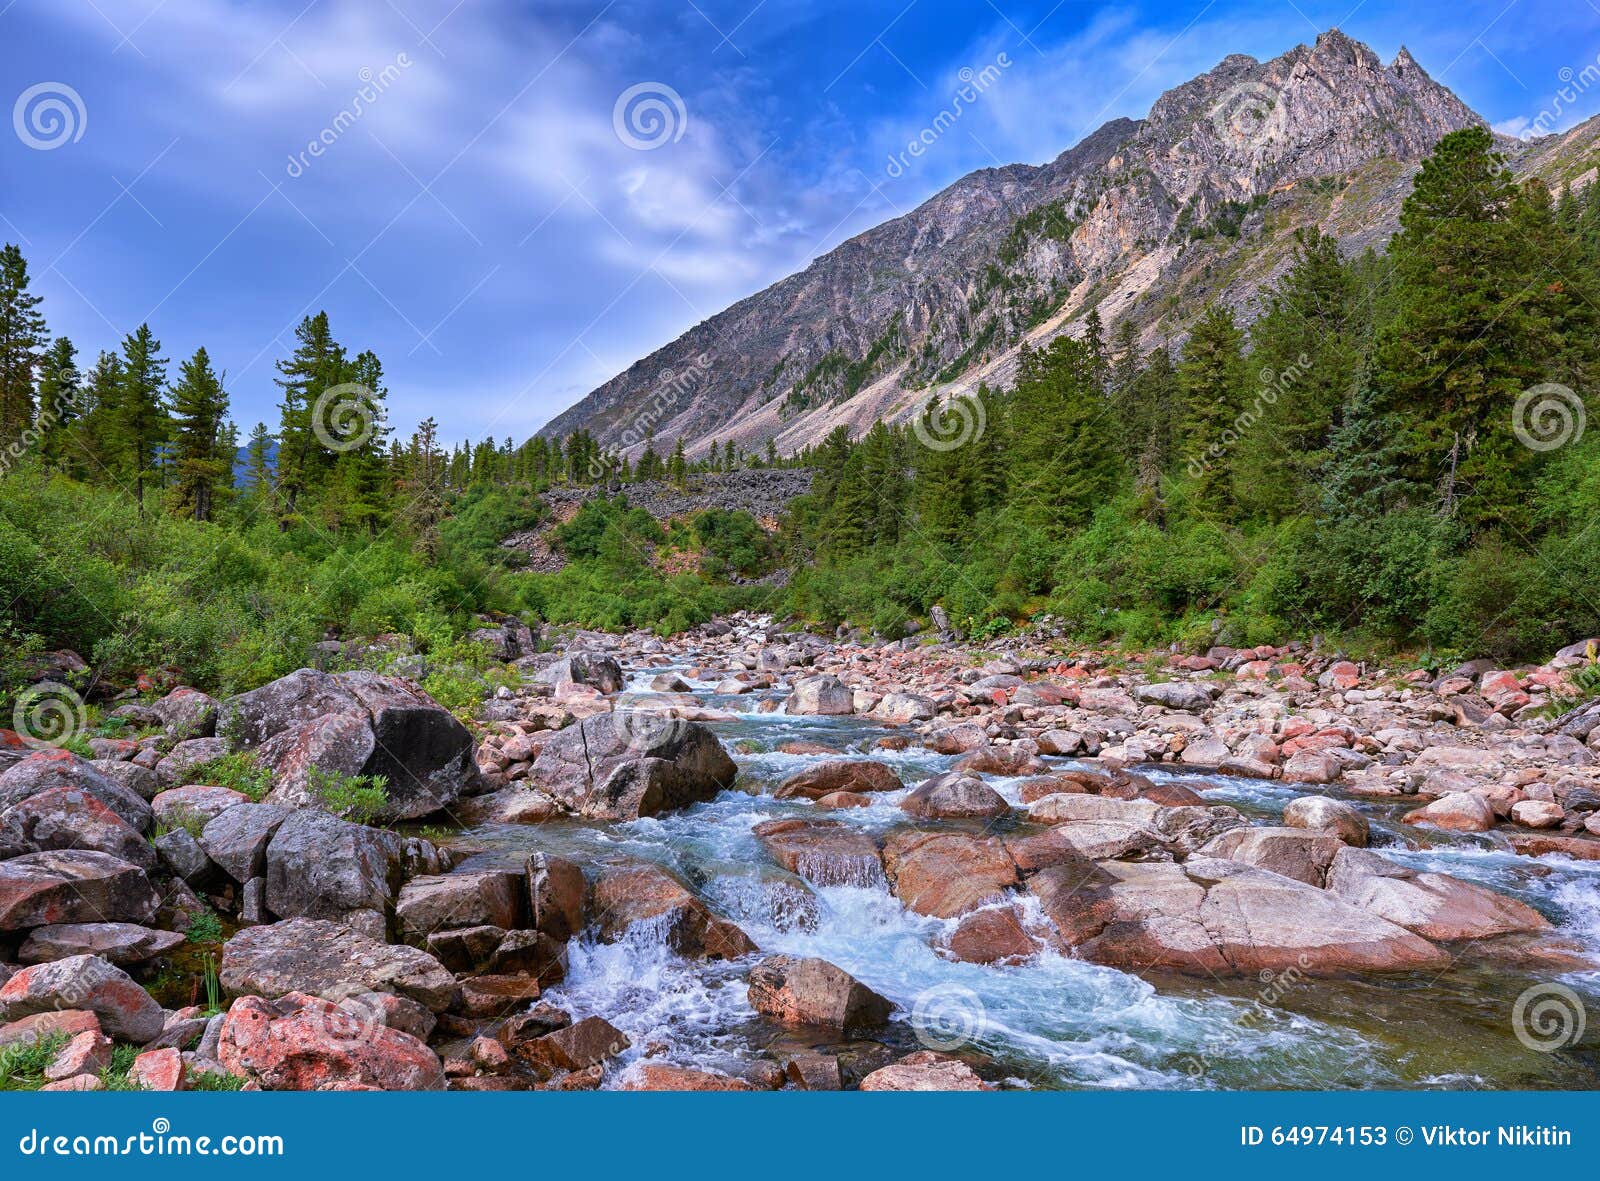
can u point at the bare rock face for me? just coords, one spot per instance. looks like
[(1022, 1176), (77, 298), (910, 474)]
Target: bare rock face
[(813, 992), (318, 866), (1434, 905), (117, 943), (1109, 223), (353, 723), (1292, 852), (608, 770), (596, 670)]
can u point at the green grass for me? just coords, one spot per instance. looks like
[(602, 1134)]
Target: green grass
[(238, 771), (22, 1066)]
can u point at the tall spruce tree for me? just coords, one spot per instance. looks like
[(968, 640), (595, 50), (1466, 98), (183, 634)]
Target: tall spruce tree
[(201, 459), (22, 342), (140, 425)]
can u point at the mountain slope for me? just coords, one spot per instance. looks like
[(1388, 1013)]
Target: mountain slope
[(1150, 219)]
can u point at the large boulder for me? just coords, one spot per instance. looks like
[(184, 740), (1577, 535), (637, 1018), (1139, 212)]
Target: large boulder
[(824, 852), (314, 956), (118, 943), (812, 992), (73, 886), (557, 895), (1214, 917), (953, 796), (1434, 905), (905, 707), (610, 771), (308, 1043), (1136, 825), (649, 894), (70, 818), (820, 695), (946, 874), (354, 723), (1321, 814), (1292, 852), (187, 713), (49, 769), (85, 982), (855, 775), (1178, 695), (443, 902), (594, 669), (1458, 811), (663, 1076), (237, 838), (318, 866)]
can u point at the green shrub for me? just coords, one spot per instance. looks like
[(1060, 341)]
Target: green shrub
[(360, 798), (238, 772)]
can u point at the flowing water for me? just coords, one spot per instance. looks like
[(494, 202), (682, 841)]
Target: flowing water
[(1055, 1021)]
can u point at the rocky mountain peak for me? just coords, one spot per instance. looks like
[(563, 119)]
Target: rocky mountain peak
[(1141, 219)]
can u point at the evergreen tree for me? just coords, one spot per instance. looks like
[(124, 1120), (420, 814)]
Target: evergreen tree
[(317, 363), (677, 466), (258, 463), (1211, 379), (140, 426), (22, 341), (200, 458), (60, 401)]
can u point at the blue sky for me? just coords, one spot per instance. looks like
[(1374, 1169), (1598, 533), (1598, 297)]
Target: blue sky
[(501, 233)]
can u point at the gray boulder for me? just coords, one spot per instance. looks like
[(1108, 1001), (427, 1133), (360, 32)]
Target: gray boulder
[(73, 886), (354, 723), (330, 960), (608, 771), (237, 837), (319, 866), (118, 943)]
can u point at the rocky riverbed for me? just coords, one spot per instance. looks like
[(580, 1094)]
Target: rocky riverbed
[(744, 859)]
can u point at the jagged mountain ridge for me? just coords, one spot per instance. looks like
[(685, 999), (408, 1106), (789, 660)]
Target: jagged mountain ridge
[(1147, 218)]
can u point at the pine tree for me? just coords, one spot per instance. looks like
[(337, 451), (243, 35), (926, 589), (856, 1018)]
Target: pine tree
[(258, 463), (92, 449), (22, 340), (140, 426), (200, 460), (677, 466), (317, 363), (1305, 352), (60, 401), (1211, 378)]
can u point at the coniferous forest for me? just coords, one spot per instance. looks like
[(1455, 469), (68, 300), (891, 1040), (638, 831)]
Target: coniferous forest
[(1391, 452)]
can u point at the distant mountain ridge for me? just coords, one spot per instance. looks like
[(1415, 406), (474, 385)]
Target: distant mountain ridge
[(1149, 219)]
